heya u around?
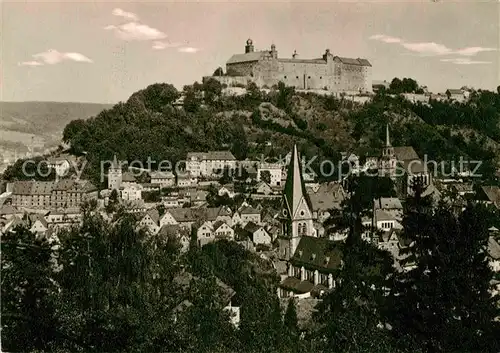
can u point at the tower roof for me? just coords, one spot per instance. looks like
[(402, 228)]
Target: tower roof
[(295, 189), (387, 139)]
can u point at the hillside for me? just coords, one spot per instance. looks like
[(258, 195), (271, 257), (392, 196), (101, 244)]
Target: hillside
[(268, 123), (45, 121)]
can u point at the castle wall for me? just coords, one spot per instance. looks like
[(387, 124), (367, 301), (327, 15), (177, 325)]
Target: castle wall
[(241, 69)]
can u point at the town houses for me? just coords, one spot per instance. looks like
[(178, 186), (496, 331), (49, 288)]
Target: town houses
[(277, 210)]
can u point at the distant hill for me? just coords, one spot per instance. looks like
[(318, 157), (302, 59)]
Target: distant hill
[(45, 121)]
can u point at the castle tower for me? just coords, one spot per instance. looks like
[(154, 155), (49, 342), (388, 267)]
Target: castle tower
[(274, 52), (296, 212), (114, 175), (388, 161), (249, 46)]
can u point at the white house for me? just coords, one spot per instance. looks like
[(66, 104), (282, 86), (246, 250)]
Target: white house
[(258, 234), (39, 225), (131, 192), (249, 214), (60, 164), (149, 220), (222, 230), (165, 179), (274, 170), (205, 163)]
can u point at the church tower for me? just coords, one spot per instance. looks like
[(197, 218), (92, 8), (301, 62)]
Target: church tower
[(388, 161), (114, 175), (296, 213)]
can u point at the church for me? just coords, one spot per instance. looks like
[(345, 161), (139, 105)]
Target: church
[(328, 72), (312, 262)]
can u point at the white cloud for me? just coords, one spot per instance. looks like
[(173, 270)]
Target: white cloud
[(471, 51), (30, 63), (136, 31), (430, 48), (385, 39), (125, 14), (159, 45), (53, 56), (189, 50), (465, 61), (427, 48)]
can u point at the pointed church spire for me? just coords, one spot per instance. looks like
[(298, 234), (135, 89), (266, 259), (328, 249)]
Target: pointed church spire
[(114, 164), (387, 139), (295, 190)]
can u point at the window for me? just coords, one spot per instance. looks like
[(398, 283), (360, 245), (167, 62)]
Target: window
[(309, 77), (296, 76), (321, 77), (285, 77)]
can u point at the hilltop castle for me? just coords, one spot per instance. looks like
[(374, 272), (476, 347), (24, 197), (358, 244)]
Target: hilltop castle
[(332, 73)]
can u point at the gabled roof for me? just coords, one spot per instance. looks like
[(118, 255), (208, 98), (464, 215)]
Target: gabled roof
[(218, 224), (154, 214), (8, 210), (36, 217), (492, 193), (318, 253), (493, 248), (162, 175), (387, 203), (351, 61), (212, 155), (252, 227), (249, 210), (381, 215), (405, 153), (454, 91), (128, 177), (295, 189), (246, 57)]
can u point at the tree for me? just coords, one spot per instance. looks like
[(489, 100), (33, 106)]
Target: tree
[(448, 290), (265, 176), (191, 102), (498, 90), (213, 91), (218, 72), (290, 321), (29, 293)]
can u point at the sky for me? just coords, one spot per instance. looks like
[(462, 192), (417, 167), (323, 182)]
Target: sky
[(102, 52)]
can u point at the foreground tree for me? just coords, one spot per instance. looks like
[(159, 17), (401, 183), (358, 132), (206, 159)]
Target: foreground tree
[(444, 304)]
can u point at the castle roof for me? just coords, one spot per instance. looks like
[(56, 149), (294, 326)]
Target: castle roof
[(351, 61), (295, 189), (247, 57)]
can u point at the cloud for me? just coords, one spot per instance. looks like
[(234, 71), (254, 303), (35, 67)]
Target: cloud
[(430, 48), (159, 45), (385, 39), (427, 48), (465, 61), (129, 15), (53, 56), (189, 50), (30, 63), (471, 51), (136, 31)]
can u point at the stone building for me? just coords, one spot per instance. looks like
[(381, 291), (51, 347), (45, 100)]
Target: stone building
[(329, 72)]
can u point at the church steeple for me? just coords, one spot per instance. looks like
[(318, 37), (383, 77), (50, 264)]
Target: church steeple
[(297, 214), (387, 139), (295, 191)]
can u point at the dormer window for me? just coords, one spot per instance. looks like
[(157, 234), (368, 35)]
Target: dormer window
[(313, 257), (327, 260), (300, 252)]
